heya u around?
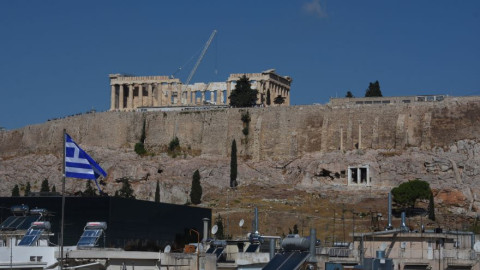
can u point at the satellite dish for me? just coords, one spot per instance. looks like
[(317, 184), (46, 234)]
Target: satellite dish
[(167, 249), (214, 229), (241, 222), (476, 247)]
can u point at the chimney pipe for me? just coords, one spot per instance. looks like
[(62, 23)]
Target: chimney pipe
[(205, 230), (272, 248), (313, 241), (256, 220), (389, 226), (404, 227)]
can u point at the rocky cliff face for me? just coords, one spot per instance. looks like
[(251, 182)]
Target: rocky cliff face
[(305, 149)]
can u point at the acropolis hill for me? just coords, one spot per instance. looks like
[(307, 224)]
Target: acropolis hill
[(341, 152)]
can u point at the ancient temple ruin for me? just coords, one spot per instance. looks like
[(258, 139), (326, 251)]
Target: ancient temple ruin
[(134, 92)]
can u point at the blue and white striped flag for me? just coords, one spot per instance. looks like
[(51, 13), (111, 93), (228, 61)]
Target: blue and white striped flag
[(78, 164)]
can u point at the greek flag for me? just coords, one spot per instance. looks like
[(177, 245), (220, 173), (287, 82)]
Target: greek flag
[(78, 164)]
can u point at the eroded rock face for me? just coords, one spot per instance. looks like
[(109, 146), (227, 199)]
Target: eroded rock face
[(308, 148)]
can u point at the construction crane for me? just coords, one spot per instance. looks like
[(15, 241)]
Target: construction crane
[(204, 51)]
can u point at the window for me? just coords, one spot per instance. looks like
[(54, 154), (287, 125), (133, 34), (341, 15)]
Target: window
[(359, 175)]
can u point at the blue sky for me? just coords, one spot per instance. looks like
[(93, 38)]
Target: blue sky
[(55, 56)]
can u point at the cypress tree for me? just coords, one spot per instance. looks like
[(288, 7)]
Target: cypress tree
[(373, 90), (54, 189), (89, 191), (126, 191), (233, 165), (157, 193), (431, 208), (16, 191), (219, 223), (28, 188), (196, 190), (243, 95), (45, 187)]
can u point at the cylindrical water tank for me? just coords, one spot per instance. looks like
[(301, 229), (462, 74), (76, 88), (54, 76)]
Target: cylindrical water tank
[(380, 254), (96, 225), (296, 243)]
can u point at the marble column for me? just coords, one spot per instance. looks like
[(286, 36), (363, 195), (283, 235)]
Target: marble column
[(150, 93), (229, 89), (217, 99), (160, 94), (203, 97), (112, 98), (169, 95), (140, 95), (121, 97), (130, 97)]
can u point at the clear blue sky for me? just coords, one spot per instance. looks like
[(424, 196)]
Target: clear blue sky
[(55, 56)]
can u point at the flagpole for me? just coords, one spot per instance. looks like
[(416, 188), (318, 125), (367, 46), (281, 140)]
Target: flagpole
[(63, 202)]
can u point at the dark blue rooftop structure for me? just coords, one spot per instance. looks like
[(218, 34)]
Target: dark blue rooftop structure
[(132, 224)]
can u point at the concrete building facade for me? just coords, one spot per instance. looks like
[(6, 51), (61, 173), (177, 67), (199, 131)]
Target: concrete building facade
[(131, 92)]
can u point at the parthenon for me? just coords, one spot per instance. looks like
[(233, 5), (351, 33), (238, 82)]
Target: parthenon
[(131, 92)]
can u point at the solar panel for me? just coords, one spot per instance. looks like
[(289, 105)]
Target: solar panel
[(287, 261), (17, 222), (27, 222), (210, 250), (219, 251), (294, 261), (89, 238), (30, 237), (252, 248), (276, 261), (6, 223)]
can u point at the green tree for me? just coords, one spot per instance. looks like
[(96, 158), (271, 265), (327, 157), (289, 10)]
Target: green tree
[(219, 223), (140, 149), (295, 229), (126, 190), (349, 95), (431, 207), (243, 95), (373, 90), (174, 144), (16, 191), (157, 193), (406, 194), (196, 190), (269, 100), (279, 100), (140, 146), (246, 123), (45, 186), (89, 190), (233, 165), (54, 189), (28, 188)]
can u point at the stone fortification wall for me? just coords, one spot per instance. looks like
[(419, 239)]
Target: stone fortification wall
[(274, 133)]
